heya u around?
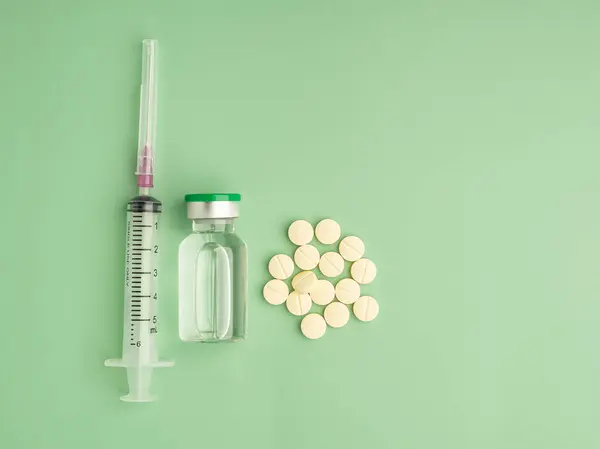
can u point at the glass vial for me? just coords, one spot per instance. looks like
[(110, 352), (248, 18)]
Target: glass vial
[(213, 272)]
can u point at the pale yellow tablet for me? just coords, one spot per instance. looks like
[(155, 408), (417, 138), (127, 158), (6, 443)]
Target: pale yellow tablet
[(298, 303), (347, 291), (304, 281), (276, 292), (313, 326), (336, 314), (322, 293), (366, 308), (331, 264), (363, 271), (307, 257), (301, 232), (352, 248), (328, 231), (281, 266)]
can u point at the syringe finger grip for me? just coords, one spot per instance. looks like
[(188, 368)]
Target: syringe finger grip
[(120, 363)]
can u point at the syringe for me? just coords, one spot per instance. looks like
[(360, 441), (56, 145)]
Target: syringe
[(140, 325)]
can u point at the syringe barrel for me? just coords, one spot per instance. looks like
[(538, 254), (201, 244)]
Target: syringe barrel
[(140, 324)]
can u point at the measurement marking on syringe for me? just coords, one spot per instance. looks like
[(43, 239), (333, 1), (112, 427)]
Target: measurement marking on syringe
[(141, 226), (136, 319), (139, 296)]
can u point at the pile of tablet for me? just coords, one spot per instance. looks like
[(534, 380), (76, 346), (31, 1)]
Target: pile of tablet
[(308, 289)]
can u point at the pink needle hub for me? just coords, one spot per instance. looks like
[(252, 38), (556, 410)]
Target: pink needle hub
[(145, 178)]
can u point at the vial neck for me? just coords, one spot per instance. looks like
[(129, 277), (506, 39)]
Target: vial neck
[(214, 225)]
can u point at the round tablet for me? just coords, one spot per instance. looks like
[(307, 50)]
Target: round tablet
[(328, 231), (331, 264), (298, 303), (276, 292), (352, 248), (313, 326), (347, 291), (307, 257), (281, 266), (300, 232), (322, 292), (336, 314), (363, 271), (366, 308), (304, 281)]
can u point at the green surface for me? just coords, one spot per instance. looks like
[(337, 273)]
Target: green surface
[(459, 139)]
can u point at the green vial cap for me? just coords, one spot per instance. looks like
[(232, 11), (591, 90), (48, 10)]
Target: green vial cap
[(211, 197)]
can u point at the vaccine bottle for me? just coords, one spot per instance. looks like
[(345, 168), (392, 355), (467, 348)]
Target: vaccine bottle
[(213, 271)]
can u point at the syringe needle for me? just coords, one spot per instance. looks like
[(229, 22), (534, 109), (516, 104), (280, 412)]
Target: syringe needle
[(147, 131)]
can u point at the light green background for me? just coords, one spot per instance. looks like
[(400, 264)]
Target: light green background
[(459, 139)]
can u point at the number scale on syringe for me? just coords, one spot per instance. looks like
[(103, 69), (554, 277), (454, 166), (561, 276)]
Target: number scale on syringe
[(141, 279)]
